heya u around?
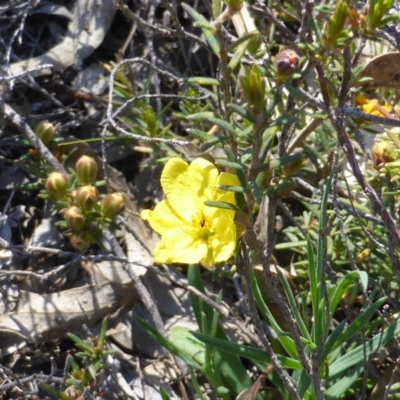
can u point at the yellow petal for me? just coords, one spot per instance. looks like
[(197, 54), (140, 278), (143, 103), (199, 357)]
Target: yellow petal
[(179, 247), (185, 184), (369, 106), (227, 179), (162, 218), (361, 100), (223, 243)]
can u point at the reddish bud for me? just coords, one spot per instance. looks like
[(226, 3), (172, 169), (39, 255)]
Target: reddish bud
[(287, 62)]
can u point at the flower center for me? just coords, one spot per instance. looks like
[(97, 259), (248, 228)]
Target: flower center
[(201, 225)]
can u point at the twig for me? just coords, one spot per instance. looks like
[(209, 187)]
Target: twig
[(343, 206), (17, 33), (165, 32), (271, 284), (110, 113), (306, 15), (157, 96), (39, 377), (205, 297), (15, 119), (9, 78), (356, 113), (303, 134), (142, 291), (338, 121), (280, 25), (287, 380)]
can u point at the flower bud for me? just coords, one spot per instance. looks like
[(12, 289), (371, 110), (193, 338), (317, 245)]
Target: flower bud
[(81, 240), (382, 152), (86, 197), (234, 4), (112, 205), (86, 170), (57, 185), (72, 195), (287, 62), (45, 131), (74, 218), (292, 167), (253, 86)]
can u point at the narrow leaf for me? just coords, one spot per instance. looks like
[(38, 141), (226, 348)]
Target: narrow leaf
[(223, 205)]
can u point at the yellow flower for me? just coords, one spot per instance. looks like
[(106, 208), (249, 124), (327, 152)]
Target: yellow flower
[(372, 106), (192, 232)]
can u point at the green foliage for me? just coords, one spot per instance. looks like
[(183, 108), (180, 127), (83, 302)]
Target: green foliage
[(88, 365), (377, 14), (278, 117)]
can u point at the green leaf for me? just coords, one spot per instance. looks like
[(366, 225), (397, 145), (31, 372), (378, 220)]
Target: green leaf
[(359, 323), (221, 369), (200, 80), (360, 354), (187, 343), (207, 28), (280, 162), (160, 339), (331, 340), (216, 8), (225, 125), (197, 133), (343, 285), (304, 382), (337, 390), (231, 164), (285, 340), (237, 56), (294, 308), (222, 204), (242, 111), (248, 352), (313, 276), (320, 315), (202, 116), (280, 187), (58, 394), (195, 383), (235, 189), (103, 333), (213, 142), (164, 394)]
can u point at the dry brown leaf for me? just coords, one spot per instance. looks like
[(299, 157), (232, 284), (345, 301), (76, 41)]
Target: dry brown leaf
[(384, 71), (39, 318)]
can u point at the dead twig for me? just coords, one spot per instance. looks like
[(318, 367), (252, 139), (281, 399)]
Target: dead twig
[(18, 122)]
